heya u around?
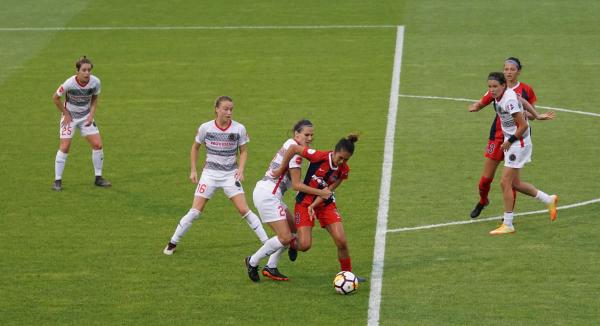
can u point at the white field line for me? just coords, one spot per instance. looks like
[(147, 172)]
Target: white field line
[(384, 190), (473, 100), (441, 225), (184, 28)]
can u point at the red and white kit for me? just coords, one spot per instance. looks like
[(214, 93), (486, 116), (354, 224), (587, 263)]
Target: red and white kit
[(519, 152), (269, 191), (78, 98), (222, 146)]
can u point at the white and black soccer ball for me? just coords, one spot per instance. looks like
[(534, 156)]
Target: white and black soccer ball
[(345, 282)]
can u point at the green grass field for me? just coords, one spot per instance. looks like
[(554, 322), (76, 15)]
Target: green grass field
[(90, 256)]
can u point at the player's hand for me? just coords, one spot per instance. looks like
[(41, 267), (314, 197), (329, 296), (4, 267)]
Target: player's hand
[(88, 121), (239, 175), (473, 108), (66, 120), (311, 213), (194, 177), (326, 193), (506, 145), (546, 116)]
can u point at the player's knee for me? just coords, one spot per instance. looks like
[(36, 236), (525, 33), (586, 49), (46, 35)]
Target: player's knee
[(285, 239), (190, 217), (304, 245), (97, 147)]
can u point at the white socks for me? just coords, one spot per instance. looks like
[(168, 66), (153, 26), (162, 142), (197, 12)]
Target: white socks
[(543, 197), (185, 224), (59, 164), (508, 218), (268, 248), (274, 258), (98, 160), (254, 223)]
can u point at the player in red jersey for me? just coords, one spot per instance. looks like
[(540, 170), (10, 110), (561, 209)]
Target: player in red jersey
[(327, 169), (493, 153)]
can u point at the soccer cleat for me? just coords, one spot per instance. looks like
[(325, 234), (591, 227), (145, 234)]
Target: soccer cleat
[(361, 279), (252, 270), (169, 249), (274, 274), (478, 208), (552, 208), (292, 254), (503, 229), (57, 186), (101, 182)]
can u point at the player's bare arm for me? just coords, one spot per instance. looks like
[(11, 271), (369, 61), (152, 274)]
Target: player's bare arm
[(193, 160), (475, 107), (61, 108), (239, 174), (93, 105), (289, 153)]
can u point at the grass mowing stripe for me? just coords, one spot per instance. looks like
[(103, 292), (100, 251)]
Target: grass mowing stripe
[(384, 192), (433, 226), (459, 99)]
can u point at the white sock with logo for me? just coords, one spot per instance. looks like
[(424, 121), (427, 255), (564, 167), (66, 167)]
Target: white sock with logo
[(543, 197), (508, 218), (185, 224), (98, 161), (254, 223), (274, 258), (59, 164), (268, 248)]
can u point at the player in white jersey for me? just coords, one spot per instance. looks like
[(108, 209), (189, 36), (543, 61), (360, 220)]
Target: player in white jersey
[(223, 139), (81, 98), (268, 199), (517, 147)]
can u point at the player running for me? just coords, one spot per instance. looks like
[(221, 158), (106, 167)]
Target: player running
[(494, 154), (517, 148), (81, 99), (327, 169), (268, 199), (223, 139)]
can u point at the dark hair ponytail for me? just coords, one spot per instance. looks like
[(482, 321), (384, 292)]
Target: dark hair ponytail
[(347, 144)]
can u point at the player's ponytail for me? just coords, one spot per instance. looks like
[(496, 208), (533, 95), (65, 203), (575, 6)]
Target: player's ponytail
[(347, 144), (81, 61)]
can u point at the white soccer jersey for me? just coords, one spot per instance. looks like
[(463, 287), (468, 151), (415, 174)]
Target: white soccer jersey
[(505, 108), (78, 96), (221, 145), (284, 181)]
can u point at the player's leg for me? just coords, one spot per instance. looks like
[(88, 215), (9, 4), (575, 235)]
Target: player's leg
[(272, 248), (304, 225), (550, 200), (93, 137), (65, 134), (292, 248), (239, 201), (334, 226), (493, 157), (509, 174), (204, 191)]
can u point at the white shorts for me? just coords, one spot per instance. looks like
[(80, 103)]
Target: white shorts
[(67, 132), (271, 207), (516, 156), (209, 183)]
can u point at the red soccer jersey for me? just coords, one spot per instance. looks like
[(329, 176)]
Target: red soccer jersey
[(320, 174), (521, 89)]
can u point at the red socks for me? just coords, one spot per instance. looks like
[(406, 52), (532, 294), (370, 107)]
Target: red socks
[(346, 264), (484, 189)]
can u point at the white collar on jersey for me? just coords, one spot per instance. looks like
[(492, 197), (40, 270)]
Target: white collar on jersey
[(516, 86), (334, 168)]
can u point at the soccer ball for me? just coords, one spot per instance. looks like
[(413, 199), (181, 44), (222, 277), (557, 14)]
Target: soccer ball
[(345, 282)]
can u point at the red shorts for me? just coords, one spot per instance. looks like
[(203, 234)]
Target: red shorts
[(326, 215), (494, 150)]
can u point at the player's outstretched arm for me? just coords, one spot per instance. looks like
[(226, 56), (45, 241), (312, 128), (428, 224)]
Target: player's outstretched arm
[(475, 107), (287, 156)]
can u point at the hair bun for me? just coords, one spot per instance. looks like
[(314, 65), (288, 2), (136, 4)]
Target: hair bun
[(353, 138)]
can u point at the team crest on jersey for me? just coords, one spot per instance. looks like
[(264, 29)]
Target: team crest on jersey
[(298, 160), (512, 157), (233, 136), (311, 151)]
